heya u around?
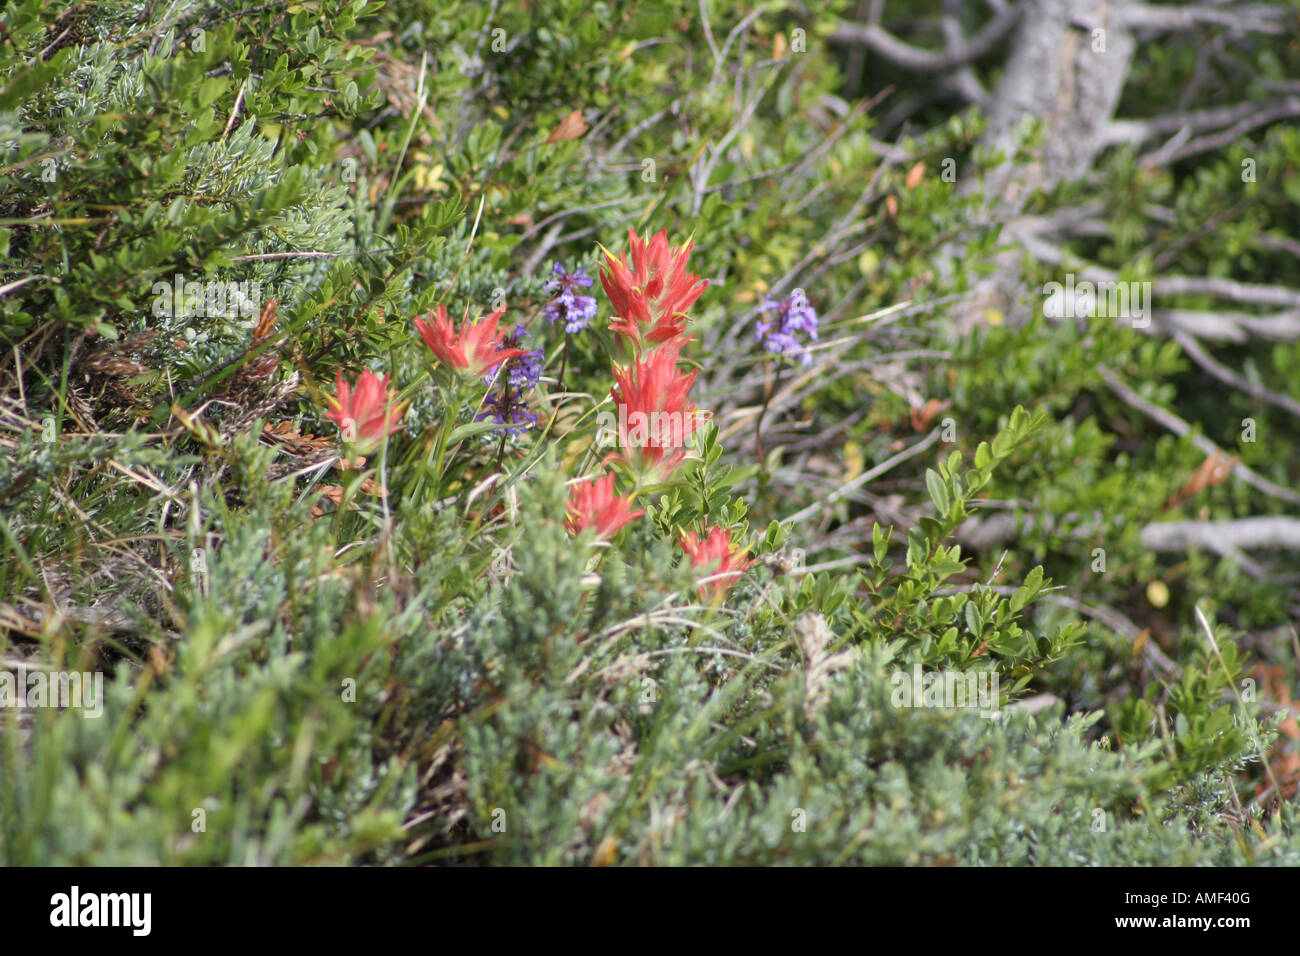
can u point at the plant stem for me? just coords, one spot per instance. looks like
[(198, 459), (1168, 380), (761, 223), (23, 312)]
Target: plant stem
[(769, 389), (564, 361), (505, 429)]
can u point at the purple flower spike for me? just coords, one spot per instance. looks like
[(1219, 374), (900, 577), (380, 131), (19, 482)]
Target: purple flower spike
[(575, 310), (793, 315), (513, 415), (524, 371), (506, 407)]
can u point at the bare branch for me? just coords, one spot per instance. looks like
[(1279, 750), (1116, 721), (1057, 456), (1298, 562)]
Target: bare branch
[(1259, 18), (964, 81), (1230, 326), (1226, 326), (1197, 121), (1279, 244), (1225, 374), (1173, 152), (1275, 295), (1221, 537), (1182, 429), (908, 57), (1224, 537)]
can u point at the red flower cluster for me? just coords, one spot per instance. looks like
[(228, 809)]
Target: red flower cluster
[(651, 294), (367, 413), (714, 554), (655, 416), (474, 349), (593, 504)]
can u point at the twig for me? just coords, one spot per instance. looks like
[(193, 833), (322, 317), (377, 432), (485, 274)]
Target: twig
[(889, 47), (863, 478), (1225, 374), (1182, 429)]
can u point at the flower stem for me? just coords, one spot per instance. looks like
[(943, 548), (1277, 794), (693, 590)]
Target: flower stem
[(564, 362), (505, 429), (769, 389)]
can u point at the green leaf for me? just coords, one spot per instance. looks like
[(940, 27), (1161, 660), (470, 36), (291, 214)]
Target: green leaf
[(880, 540), (938, 491), (471, 429)]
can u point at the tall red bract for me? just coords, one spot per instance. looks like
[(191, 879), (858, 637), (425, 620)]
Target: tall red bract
[(651, 292), (655, 417)]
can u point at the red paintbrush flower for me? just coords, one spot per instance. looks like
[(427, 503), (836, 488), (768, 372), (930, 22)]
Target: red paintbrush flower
[(650, 294), (474, 349), (715, 555), (654, 416), (366, 413), (593, 504)]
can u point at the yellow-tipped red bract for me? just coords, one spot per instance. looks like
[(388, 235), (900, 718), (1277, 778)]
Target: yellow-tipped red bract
[(651, 292), (475, 349), (593, 504)]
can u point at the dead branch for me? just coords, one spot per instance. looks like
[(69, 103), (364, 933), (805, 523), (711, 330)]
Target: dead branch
[(908, 57)]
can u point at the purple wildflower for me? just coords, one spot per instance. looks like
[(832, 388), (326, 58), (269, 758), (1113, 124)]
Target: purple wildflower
[(794, 314), (524, 371), (509, 411), (506, 406), (576, 310)]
